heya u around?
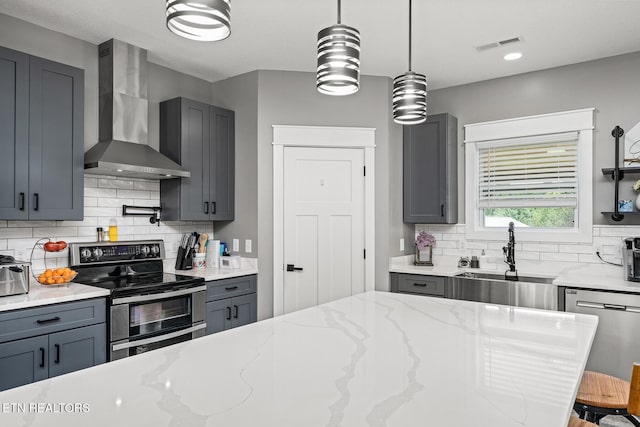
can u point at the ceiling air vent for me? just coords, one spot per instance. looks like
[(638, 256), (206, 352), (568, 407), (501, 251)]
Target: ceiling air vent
[(494, 45)]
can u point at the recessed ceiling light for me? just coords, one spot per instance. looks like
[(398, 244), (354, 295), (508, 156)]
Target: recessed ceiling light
[(512, 56)]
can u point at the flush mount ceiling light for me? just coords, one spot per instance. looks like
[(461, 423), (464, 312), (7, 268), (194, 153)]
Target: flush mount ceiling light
[(338, 59), (410, 93), (202, 20), (512, 56)]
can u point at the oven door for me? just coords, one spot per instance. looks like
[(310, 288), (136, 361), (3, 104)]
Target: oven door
[(141, 323)]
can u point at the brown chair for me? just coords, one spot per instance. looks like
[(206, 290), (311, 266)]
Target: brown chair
[(577, 422), (600, 395)]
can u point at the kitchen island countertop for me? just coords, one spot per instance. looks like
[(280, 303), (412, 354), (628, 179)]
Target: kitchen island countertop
[(374, 359)]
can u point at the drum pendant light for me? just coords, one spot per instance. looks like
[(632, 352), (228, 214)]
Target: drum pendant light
[(338, 59), (202, 20), (410, 93)]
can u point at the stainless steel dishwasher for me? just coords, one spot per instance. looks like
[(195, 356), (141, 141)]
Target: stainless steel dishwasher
[(617, 343)]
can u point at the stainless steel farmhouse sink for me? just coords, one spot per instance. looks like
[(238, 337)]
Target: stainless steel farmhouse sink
[(528, 291)]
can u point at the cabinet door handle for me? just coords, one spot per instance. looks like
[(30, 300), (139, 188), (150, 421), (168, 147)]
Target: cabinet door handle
[(442, 210), (230, 288), (235, 314), (57, 346), (36, 201), (42, 357), (206, 207), (21, 201), (45, 321), (228, 313), (422, 285), (213, 208)]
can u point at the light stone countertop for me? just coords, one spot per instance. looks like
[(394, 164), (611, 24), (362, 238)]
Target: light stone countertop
[(248, 266), (585, 275), (374, 359), (40, 295)]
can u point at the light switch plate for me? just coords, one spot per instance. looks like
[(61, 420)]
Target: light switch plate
[(401, 245), (236, 245), (247, 246)]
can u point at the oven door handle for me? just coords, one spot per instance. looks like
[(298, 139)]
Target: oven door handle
[(164, 337), (162, 295)]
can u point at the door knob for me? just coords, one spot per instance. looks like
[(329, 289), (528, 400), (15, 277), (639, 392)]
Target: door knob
[(291, 267)]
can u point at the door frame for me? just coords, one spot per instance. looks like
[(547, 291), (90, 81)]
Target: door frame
[(321, 137)]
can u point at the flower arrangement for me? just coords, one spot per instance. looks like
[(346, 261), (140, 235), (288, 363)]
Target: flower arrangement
[(636, 186), (425, 240)]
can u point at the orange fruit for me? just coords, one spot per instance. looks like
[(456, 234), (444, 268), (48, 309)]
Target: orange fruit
[(48, 272), (51, 281), (58, 271), (60, 281), (42, 278)]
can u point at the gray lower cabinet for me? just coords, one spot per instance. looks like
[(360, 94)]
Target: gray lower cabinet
[(201, 138), (231, 303), (430, 172), (43, 342), (41, 138), (434, 286)]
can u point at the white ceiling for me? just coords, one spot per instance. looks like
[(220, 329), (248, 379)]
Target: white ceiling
[(281, 34)]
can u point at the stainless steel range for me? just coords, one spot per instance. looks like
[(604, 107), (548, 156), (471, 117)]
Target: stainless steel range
[(148, 308)]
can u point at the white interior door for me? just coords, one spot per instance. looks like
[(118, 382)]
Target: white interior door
[(323, 225)]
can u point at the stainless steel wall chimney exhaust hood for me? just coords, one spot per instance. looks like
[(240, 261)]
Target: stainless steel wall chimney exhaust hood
[(123, 148)]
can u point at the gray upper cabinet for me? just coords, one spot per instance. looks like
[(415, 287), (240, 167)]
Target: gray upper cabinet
[(14, 134), (430, 180), (41, 137), (201, 138)]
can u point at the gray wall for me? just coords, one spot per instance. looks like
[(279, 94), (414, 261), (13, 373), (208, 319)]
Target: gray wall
[(240, 94), (611, 85)]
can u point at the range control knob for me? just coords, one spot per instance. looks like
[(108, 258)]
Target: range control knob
[(145, 250), (85, 253), (97, 252), (155, 249)]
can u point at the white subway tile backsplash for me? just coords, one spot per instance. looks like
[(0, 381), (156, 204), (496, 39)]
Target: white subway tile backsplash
[(134, 194), (15, 232), (104, 197), (100, 192), (609, 237), (116, 183)]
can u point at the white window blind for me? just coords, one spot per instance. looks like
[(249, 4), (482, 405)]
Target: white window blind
[(536, 171)]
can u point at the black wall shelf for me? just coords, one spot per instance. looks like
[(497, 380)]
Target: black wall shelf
[(617, 174), (631, 170)]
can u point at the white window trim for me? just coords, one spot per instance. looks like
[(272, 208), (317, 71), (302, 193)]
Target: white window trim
[(532, 126)]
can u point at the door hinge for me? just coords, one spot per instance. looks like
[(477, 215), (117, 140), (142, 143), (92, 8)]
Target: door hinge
[(364, 253), (364, 170)]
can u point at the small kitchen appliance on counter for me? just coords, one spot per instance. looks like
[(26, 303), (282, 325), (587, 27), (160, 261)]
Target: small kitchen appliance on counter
[(631, 258), (14, 276), (147, 308)]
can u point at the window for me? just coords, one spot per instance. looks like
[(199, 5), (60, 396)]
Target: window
[(534, 172)]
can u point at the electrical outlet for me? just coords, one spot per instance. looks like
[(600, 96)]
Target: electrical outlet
[(597, 248), (401, 245), (235, 245), (247, 246)]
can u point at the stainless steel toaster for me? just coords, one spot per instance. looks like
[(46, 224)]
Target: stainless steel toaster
[(14, 276)]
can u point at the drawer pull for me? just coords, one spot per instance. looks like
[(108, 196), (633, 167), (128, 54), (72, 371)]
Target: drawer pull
[(422, 285), (57, 353), (46, 321), (235, 315), (42, 357), (230, 288), (228, 313)]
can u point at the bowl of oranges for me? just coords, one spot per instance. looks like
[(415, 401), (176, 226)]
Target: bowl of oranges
[(57, 276)]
